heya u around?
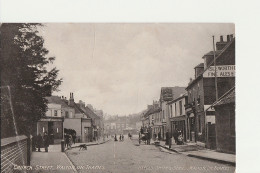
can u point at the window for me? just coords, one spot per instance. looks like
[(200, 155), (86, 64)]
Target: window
[(180, 104), (163, 115), (66, 114), (55, 113), (171, 111), (175, 110)]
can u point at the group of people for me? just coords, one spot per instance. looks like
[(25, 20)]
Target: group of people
[(121, 138), (177, 135), (42, 142)]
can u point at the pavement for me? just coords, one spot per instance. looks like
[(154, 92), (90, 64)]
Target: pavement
[(194, 150), (54, 160)]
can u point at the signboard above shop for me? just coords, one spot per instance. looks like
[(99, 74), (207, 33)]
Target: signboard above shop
[(222, 71)]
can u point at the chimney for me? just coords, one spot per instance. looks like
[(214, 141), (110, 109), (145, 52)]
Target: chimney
[(221, 44), (228, 38), (71, 100), (221, 38)]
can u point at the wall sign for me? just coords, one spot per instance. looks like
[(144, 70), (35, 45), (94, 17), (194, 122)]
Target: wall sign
[(222, 71)]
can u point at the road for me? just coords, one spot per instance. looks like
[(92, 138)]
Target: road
[(129, 157)]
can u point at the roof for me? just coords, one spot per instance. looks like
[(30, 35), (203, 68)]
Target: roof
[(171, 93), (218, 54), (90, 113), (182, 96), (201, 65), (78, 110), (152, 111), (228, 97), (211, 53), (57, 100)]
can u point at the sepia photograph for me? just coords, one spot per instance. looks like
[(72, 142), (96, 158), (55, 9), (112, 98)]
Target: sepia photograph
[(118, 97)]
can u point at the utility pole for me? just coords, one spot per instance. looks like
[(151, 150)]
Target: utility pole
[(216, 82)]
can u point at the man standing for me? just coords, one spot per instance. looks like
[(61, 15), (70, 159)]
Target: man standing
[(46, 140), (175, 135), (39, 142)]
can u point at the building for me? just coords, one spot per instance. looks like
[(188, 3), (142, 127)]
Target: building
[(96, 123), (80, 122), (202, 91), (177, 115), (225, 122), (52, 123), (168, 94)]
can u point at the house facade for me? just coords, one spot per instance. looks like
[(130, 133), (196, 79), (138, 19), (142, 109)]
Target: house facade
[(202, 91), (177, 115)]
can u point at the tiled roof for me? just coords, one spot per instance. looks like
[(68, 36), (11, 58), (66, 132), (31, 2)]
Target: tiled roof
[(90, 113), (229, 97)]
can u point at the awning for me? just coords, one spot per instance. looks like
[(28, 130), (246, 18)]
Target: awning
[(179, 118)]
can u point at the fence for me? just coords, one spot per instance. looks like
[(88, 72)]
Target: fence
[(15, 151)]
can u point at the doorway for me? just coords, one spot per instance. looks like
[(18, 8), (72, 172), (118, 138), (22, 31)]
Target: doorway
[(50, 132)]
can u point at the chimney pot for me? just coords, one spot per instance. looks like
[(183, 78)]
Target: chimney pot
[(221, 38), (228, 38)]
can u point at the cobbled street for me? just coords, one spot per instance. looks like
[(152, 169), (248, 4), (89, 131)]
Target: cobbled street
[(128, 156)]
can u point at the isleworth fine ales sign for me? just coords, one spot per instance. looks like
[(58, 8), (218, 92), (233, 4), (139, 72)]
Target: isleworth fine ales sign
[(222, 71)]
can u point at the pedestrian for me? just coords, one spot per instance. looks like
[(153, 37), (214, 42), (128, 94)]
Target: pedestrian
[(167, 138), (46, 142), (67, 140), (115, 138), (39, 142), (175, 135), (148, 137), (70, 140), (74, 138), (122, 137)]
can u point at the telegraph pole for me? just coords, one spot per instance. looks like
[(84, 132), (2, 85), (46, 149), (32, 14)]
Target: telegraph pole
[(216, 82)]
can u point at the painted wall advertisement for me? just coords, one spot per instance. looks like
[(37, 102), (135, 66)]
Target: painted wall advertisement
[(222, 71)]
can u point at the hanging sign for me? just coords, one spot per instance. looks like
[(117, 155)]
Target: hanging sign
[(222, 71)]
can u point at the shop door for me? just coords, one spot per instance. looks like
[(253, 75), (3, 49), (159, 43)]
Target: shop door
[(86, 135)]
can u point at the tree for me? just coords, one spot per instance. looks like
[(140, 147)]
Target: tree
[(25, 78)]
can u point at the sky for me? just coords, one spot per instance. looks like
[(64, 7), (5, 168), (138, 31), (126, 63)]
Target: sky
[(120, 68)]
